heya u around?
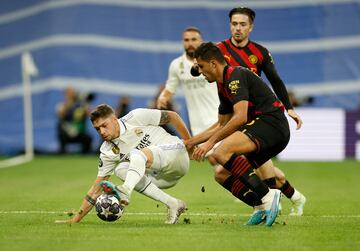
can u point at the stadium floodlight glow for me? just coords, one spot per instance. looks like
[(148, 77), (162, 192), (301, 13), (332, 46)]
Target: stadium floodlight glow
[(28, 69)]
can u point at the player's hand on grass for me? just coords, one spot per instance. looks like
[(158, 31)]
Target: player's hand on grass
[(70, 221), (63, 222)]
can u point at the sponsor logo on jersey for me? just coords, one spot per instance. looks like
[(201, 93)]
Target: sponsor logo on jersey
[(234, 85), (138, 132), (144, 142), (253, 59)]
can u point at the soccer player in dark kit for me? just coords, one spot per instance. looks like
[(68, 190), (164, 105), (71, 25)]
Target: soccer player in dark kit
[(252, 127), (239, 50)]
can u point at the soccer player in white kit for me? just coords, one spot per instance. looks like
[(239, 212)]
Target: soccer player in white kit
[(201, 98), (142, 154)]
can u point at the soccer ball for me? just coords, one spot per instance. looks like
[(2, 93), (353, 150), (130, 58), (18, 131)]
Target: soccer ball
[(108, 207)]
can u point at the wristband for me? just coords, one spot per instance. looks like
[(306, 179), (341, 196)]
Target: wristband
[(90, 200)]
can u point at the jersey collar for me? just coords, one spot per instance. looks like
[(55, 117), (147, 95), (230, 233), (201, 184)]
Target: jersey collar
[(188, 61), (225, 73), (239, 47), (123, 130)]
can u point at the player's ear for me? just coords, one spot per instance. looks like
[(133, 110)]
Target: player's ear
[(251, 27), (213, 63)]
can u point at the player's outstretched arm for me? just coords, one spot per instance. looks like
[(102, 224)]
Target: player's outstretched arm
[(88, 202)]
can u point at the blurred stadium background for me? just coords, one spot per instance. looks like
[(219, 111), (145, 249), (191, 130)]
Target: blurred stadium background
[(114, 48)]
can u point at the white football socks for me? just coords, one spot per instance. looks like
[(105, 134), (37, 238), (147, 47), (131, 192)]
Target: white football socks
[(136, 170), (155, 193), (267, 199), (135, 179)]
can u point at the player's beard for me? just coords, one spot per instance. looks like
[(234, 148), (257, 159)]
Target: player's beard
[(208, 78), (190, 52), (238, 40)]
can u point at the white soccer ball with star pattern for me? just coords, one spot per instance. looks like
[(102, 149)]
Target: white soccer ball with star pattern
[(108, 207)]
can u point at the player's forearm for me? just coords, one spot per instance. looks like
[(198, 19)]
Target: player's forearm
[(89, 200), (230, 127), (203, 136), (85, 208)]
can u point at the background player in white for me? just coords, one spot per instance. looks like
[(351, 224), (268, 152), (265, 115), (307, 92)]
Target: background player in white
[(201, 98), (142, 154)]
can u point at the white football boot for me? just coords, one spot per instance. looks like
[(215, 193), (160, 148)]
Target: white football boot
[(174, 212), (271, 203), (298, 202)]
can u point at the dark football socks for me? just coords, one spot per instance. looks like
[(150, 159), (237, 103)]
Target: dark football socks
[(240, 191), (287, 189), (271, 182), (241, 169)]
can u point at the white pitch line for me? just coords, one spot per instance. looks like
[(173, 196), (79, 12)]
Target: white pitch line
[(188, 214)]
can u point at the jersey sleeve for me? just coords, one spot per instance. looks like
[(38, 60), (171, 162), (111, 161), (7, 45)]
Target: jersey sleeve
[(173, 80), (106, 165), (143, 117), (275, 80), (238, 85)]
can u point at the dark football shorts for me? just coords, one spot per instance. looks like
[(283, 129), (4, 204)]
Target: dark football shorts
[(271, 134)]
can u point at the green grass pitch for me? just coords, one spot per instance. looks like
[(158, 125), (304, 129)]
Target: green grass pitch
[(34, 195)]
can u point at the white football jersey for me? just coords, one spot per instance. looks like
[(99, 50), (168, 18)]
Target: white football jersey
[(201, 97), (138, 129)]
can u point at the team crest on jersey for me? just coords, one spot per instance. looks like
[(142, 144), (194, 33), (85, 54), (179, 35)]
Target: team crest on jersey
[(233, 86), (115, 149), (138, 132), (253, 59)]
